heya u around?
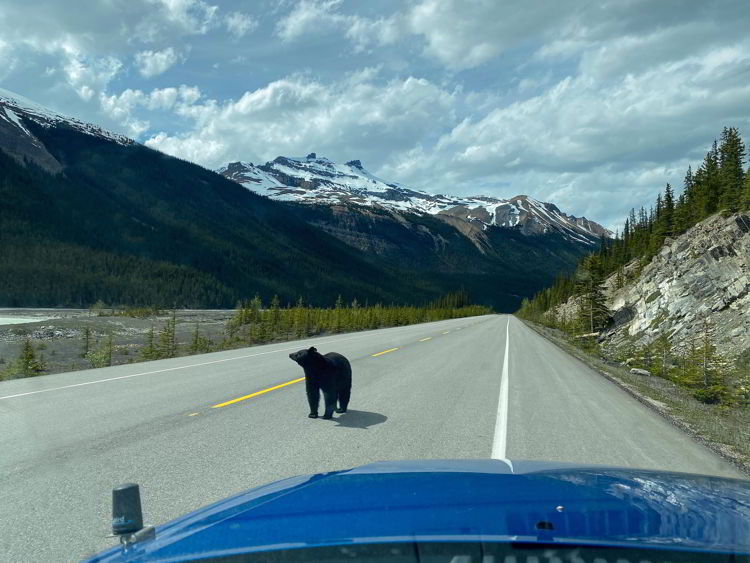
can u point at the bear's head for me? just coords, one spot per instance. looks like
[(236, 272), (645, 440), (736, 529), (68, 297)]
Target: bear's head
[(306, 358)]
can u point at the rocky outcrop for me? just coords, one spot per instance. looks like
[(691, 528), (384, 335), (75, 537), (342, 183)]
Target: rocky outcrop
[(702, 275)]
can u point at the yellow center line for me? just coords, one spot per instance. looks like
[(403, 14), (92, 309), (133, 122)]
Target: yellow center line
[(238, 399), (425, 339), (384, 352)]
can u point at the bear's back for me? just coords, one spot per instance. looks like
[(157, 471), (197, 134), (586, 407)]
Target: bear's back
[(340, 363)]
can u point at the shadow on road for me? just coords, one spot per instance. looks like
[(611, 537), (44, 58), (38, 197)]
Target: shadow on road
[(359, 419)]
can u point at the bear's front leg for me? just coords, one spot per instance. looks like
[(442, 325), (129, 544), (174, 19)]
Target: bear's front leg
[(329, 397), (313, 397)]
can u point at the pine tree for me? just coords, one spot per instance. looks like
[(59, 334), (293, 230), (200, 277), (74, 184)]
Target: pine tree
[(275, 317), (707, 183), (662, 350), (167, 338), (86, 341), (667, 214), (199, 344), (681, 216), (337, 319), (108, 348), (746, 192), (27, 365), (589, 288), (731, 175), (150, 352)]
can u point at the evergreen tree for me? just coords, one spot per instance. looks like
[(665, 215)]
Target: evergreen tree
[(101, 356), (275, 320), (150, 351), (167, 338), (708, 184), (27, 364), (86, 341), (590, 291), (667, 214), (338, 315), (681, 216), (199, 344), (731, 174), (662, 351), (746, 192)]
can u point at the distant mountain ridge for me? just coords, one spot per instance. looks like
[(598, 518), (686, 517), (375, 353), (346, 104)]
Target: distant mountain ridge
[(89, 215), (18, 141), (318, 180)]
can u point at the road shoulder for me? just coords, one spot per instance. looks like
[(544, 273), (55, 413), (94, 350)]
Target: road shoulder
[(666, 399)]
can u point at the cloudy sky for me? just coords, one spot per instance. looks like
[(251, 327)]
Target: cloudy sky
[(591, 105)]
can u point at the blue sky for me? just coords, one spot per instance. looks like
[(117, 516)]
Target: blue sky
[(591, 105)]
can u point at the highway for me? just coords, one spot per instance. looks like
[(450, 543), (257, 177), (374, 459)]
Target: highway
[(193, 430)]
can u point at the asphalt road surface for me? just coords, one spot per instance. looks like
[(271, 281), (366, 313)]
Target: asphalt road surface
[(193, 430)]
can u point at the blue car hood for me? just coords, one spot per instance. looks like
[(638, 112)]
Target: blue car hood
[(463, 500)]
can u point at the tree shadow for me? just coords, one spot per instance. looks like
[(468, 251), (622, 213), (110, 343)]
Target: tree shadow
[(359, 419)]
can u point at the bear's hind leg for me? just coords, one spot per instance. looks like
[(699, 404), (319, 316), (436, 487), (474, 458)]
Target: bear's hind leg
[(344, 395)]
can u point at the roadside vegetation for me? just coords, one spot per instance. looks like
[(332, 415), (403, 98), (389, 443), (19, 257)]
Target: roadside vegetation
[(719, 185), (253, 322), (699, 389)]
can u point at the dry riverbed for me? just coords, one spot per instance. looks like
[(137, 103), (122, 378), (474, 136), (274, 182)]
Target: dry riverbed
[(57, 335)]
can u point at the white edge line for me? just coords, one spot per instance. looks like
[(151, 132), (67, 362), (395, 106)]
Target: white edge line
[(296, 347), (501, 423)]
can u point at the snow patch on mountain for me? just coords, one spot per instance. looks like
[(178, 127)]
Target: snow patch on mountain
[(17, 107), (317, 180)]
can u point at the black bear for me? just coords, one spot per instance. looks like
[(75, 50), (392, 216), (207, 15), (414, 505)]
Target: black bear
[(331, 374)]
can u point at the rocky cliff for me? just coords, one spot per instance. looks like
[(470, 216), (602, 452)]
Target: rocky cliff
[(702, 275)]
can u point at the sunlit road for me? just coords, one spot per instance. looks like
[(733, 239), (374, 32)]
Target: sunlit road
[(193, 430)]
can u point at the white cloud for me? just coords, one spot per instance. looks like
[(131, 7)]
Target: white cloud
[(88, 76), (352, 118), (315, 17), (466, 33), (581, 141), (153, 63), (7, 60), (568, 101), (121, 107), (308, 16), (194, 16), (239, 24)]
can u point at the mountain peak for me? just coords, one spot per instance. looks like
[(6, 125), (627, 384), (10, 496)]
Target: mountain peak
[(17, 113), (317, 180)]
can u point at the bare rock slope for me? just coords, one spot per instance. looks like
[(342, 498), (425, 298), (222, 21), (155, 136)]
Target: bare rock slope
[(702, 275)]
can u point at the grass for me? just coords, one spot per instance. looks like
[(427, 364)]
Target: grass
[(724, 430)]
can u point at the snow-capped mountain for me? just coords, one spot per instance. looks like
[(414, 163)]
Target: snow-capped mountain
[(314, 179), (20, 142)]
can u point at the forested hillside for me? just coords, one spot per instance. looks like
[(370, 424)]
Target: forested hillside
[(126, 225), (720, 184), (669, 296), (129, 225)]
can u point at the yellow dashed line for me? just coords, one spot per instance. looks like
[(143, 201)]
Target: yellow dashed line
[(194, 414), (238, 399), (384, 352), (425, 339)]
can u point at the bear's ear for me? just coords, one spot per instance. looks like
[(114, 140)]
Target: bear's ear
[(312, 349)]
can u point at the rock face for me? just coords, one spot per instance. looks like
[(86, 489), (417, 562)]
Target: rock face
[(703, 274)]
